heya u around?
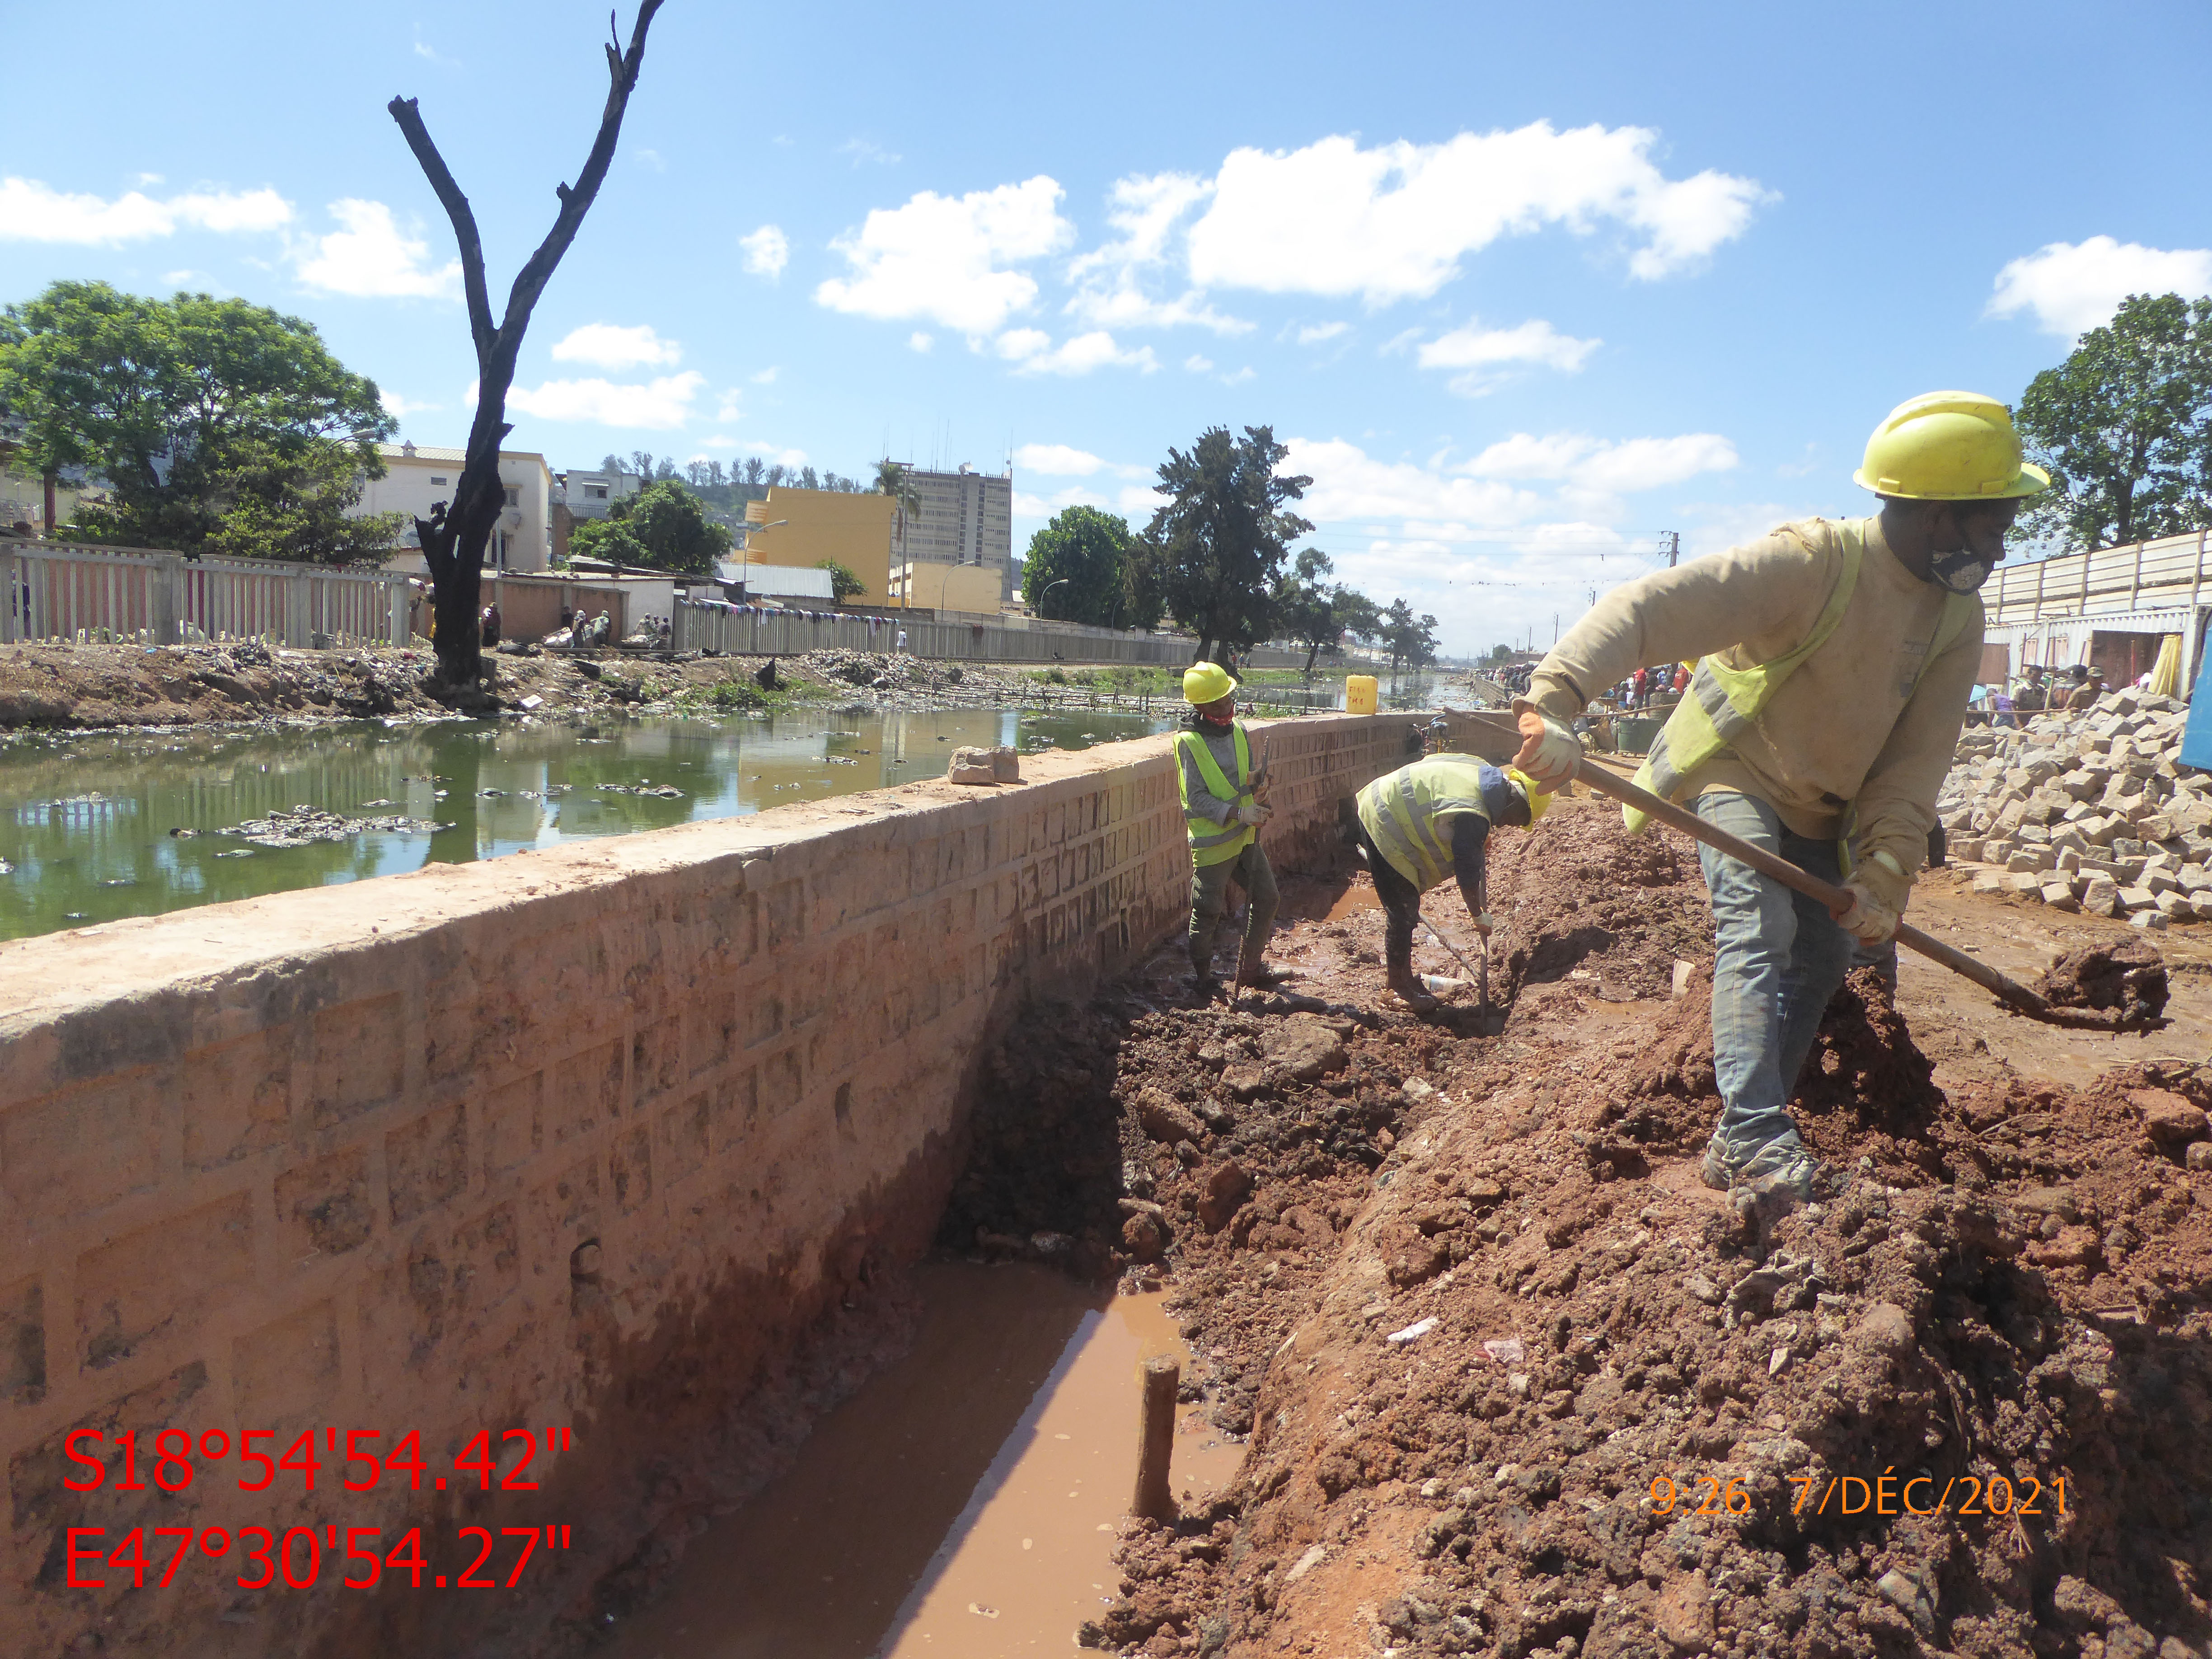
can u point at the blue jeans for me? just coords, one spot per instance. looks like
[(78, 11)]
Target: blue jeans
[(1777, 958)]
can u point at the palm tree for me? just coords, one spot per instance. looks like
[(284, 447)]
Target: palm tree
[(896, 480)]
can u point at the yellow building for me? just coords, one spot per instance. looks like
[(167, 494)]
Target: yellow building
[(926, 585), (803, 527)]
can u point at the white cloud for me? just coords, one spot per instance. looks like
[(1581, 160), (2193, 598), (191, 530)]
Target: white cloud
[(1197, 364), (1315, 333), (370, 258), (780, 457), (1484, 353), (2075, 287), (720, 440), (1348, 484), (614, 345), (429, 53), (30, 211), (1392, 222), (920, 340), (142, 179), (1056, 460), (730, 406), (946, 259), (1590, 464), (649, 158), (767, 251), (1032, 352), (1110, 280), (660, 405), (766, 376), (400, 408)]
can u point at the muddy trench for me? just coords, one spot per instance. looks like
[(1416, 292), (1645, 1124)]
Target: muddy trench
[(1508, 1381)]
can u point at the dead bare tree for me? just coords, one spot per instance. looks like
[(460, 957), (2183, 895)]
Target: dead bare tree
[(455, 535)]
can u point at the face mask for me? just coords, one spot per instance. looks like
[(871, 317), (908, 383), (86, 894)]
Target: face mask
[(1962, 572)]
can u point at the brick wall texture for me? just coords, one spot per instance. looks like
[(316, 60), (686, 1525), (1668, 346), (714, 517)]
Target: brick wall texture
[(583, 1137)]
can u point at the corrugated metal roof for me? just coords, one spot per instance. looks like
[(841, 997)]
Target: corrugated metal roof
[(423, 453), (783, 581)]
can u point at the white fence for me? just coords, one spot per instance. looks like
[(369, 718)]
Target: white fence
[(757, 632), (84, 595)]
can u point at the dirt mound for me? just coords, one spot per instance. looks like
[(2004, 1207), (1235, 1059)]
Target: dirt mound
[(1577, 895), (1517, 1385), (2129, 978)]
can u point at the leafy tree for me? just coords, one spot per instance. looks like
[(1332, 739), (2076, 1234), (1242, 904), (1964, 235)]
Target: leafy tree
[(1305, 610), (1359, 616), (195, 409), (612, 464), (695, 473), (776, 475), (807, 480), (753, 469), (1089, 550), (844, 584), (2124, 425), (896, 482), (607, 538), (670, 524), (1215, 550), (1409, 639)]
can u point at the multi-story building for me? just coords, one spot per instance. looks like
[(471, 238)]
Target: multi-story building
[(966, 518), (593, 494), (802, 527), (417, 477)]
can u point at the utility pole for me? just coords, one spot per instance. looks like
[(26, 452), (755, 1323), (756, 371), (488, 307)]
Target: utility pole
[(1673, 547)]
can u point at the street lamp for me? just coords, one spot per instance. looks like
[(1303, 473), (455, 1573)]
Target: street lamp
[(1046, 594)]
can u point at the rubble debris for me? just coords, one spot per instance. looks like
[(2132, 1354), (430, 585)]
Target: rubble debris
[(303, 826), (2088, 810)]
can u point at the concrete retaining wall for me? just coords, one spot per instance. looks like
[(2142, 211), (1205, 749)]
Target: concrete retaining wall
[(584, 1138)]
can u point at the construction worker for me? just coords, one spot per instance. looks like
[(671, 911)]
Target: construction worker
[(1223, 807), (1836, 659), (1423, 822)]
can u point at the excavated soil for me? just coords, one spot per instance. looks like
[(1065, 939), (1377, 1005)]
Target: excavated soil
[(2129, 978), (1515, 1383)]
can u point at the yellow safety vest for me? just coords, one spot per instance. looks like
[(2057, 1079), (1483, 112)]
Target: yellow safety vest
[(1402, 813), (1722, 702), (1212, 842)]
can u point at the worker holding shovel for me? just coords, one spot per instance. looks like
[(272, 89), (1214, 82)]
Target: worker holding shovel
[(1427, 821), (1837, 658)]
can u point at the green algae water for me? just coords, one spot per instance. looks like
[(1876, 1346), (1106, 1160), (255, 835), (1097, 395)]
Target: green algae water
[(94, 827)]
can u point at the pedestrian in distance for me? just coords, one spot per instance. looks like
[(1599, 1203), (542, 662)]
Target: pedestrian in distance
[(1834, 661), (1428, 820), (1223, 805)]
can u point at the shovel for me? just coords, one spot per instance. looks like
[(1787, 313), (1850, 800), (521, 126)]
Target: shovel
[(2010, 991), (1481, 975)]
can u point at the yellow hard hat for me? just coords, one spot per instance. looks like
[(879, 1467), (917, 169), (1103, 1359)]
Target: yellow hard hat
[(1205, 681), (1538, 799), (1948, 446)]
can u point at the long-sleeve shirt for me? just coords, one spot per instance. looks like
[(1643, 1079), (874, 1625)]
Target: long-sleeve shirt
[(1859, 721), (1220, 741)]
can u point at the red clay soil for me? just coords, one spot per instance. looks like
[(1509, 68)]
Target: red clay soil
[(1613, 1422)]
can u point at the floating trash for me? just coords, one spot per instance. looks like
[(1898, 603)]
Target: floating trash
[(303, 826)]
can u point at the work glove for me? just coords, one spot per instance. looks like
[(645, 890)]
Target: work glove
[(1484, 923), (1550, 751), (1866, 920), (1251, 813)]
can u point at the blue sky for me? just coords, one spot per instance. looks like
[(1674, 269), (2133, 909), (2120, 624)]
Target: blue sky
[(1523, 286)]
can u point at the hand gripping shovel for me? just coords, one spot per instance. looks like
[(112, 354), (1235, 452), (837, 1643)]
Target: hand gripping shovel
[(2010, 991)]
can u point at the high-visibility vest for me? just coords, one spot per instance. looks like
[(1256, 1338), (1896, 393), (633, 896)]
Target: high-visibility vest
[(1212, 842), (1722, 702), (1403, 812)]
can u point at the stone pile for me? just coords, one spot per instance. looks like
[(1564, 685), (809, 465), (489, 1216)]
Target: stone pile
[(2088, 810)]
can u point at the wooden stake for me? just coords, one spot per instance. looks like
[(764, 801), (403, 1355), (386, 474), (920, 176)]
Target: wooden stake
[(1156, 1440)]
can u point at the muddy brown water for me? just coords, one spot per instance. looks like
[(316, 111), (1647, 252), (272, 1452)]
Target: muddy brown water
[(965, 1503)]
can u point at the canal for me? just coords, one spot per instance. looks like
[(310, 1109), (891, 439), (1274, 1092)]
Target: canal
[(97, 827)]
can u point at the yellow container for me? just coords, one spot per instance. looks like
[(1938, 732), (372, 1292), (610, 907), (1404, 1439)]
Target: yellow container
[(1359, 694)]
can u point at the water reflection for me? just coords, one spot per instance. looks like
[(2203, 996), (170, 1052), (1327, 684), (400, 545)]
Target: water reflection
[(87, 821)]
